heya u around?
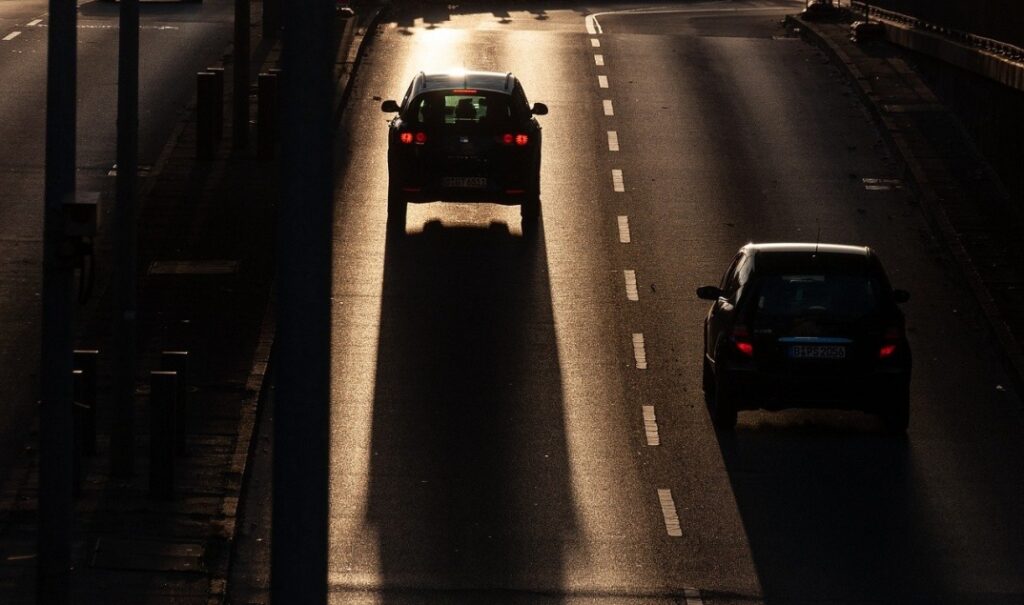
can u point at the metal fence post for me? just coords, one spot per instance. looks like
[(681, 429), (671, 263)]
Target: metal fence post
[(267, 119), (206, 115), (86, 360), (163, 392), (177, 362)]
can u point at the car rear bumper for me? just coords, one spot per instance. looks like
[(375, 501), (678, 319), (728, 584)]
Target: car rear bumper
[(870, 391)]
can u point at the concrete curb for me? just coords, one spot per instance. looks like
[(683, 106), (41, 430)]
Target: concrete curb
[(353, 58), (929, 200)]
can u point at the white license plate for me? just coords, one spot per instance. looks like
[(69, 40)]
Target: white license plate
[(465, 182), (817, 352)]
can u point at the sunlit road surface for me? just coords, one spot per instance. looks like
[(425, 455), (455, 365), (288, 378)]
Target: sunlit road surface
[(520, 420)]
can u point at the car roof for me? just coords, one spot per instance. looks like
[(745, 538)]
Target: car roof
[(481, 80), (792, 256)]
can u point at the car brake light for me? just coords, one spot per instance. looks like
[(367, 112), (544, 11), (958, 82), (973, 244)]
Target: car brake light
[(741, 340), (891, 341), (464, 91), (408, 137), (519, 139)]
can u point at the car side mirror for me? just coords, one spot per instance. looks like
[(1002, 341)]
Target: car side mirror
[(900, 296), (539, 109), (390, 106), (709, 292)]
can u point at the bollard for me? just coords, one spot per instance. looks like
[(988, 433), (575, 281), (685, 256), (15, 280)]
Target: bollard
[(177, 362), (218, 122), (86, 361), (163, 391), (77, 423), (206, 115), (267, 115), (178, 335)]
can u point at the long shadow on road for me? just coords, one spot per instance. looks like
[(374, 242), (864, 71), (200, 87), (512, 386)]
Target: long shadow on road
[(469, 479)]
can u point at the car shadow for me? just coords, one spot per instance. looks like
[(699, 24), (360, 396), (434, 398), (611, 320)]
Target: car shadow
[(469, 489), (829, 503)]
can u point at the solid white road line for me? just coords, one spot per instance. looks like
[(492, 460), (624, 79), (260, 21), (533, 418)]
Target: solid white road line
[(651, 426), (608, 109), (593, 27), (11, 36), (639, 354), (602, 81), (599, 60), (631, 292), (613, 140), (595, 42), (618, 184), (34, 22), (668, 511), (624, 230)]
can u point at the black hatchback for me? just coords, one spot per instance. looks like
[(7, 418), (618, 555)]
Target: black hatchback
[(806, 325), (464, 136)]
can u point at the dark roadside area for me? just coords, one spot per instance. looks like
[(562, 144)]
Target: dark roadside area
[(205, 257), (976, 222)]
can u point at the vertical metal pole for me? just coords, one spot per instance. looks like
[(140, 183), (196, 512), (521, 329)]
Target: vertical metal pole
[(301, 436), (240, 98), (55, 424), (122, 436), (271, 18)]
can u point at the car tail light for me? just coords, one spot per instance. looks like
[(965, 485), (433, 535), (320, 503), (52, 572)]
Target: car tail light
[(890, 342), (740, 338), (519, 139), (408, 138)]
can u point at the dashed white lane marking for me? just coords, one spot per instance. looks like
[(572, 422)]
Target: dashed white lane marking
[(618, 184), (599, 60), (668, 511), (34, 22), (631, 292), (624, 230), (872, 184), (602, 81), (595, 42), (639, 354), (11, 36), (608, 109), (613, 140), (651, 426), (692, 596)]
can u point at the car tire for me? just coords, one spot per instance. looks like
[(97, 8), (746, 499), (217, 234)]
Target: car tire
[(396, 208), (530, 208), (896, 415), (708, 381), (722, 403)]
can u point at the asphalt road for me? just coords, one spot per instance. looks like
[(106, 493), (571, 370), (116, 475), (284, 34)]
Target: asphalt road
[(176, 40), (491, 442)]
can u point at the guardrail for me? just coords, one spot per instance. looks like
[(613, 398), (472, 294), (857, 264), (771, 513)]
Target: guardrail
[(981, 43)]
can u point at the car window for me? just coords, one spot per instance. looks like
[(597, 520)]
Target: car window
[(452, 108), (730, 281), (830, 296)]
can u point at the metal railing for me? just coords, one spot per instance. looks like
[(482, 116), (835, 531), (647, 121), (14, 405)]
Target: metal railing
[(988, 45)]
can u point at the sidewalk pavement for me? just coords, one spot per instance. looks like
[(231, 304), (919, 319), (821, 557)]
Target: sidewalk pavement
[(968, 209), (205, 246)]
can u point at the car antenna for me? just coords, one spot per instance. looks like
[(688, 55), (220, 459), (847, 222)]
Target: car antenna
[(817, 238)]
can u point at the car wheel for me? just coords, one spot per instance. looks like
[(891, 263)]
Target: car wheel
[(530, 208), (396, 207), (722, 402), (708, 381), (896, 415)]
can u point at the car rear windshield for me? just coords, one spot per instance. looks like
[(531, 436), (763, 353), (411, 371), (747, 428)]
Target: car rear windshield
[(461, 107), (825, 296)]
